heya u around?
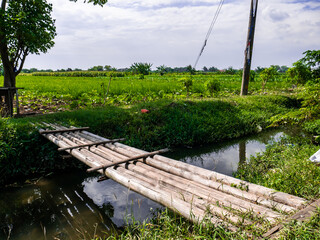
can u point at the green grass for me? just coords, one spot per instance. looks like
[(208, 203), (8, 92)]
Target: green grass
[(284, 166), (58, 93)]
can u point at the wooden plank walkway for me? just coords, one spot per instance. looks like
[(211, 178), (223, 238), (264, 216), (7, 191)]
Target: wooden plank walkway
[(193, 192)]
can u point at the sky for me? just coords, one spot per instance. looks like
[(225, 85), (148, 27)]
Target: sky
[(172, 32)]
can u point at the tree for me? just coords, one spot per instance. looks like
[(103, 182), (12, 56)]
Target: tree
[(213, 69), (96, 68), (284, 68), (259, 69), (107, 68), (162, 69), (191, 70), (231, 71), (26, 26), (312, 60), (276, 67), (268, 74), (141, 68), (300, 73)]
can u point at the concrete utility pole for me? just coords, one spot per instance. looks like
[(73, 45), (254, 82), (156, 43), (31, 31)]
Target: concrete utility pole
[(249, 48)]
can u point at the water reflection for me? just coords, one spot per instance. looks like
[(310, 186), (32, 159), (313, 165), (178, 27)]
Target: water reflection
[(225, 157), (69, 206)]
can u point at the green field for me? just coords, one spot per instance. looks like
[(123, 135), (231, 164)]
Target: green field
[(60, 93)]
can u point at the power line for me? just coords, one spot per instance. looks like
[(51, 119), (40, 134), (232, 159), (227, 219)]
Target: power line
[(215, 17)]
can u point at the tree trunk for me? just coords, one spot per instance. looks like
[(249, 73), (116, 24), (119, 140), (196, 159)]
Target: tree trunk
[(9, 81)]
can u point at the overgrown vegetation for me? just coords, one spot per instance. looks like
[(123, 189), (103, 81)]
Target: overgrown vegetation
[(284, 166), (168, 123)]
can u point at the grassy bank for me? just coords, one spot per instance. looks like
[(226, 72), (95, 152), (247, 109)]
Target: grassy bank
[(169, 123)]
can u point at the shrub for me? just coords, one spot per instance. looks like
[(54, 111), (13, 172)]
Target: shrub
[(268, 74), (187, 84), (213, 86), (300, 73)]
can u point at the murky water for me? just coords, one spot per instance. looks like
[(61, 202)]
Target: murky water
[(75, 206)]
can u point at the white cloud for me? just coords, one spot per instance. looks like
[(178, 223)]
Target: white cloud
[(172, 33)]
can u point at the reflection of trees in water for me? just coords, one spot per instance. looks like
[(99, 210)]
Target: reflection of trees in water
[(60, 211), (242, 152), (199, 154)]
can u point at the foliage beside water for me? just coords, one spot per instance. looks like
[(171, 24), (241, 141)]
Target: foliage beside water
[(24, 153), (285, 166), (168, 123), (168, 225)]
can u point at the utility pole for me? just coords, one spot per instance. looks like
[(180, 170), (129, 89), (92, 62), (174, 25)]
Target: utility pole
[(249, 48)]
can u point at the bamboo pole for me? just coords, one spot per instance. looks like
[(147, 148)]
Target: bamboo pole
[(63, 130), (91, 144), (141, 156)]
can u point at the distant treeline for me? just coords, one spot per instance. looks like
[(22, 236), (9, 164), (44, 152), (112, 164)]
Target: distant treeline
[(108, 70)]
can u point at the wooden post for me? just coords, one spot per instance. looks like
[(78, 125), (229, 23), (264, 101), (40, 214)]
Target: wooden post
[(249, 48), (17, 103)]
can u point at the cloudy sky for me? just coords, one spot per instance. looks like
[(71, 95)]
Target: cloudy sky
[(171, 32)]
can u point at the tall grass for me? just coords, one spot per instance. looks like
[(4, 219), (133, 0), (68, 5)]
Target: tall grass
[(132, 84)]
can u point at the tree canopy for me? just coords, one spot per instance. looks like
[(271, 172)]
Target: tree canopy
[(26, 26)]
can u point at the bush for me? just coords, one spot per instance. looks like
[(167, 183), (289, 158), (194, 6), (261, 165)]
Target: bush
[(299, 73), (268, 74), (187, 84), (213, 86)]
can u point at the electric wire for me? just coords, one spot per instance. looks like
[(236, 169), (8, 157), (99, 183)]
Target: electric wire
[(215, 17)]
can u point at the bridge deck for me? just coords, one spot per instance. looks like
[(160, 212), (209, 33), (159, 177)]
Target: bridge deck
[(194, 192)]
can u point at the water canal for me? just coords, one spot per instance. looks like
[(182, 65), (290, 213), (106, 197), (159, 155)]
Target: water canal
[(74, 205)]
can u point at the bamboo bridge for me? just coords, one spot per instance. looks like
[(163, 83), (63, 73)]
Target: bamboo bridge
[(193, 192)]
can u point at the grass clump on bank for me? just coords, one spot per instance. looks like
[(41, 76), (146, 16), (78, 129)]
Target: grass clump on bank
[(285, 166), (168, 225)]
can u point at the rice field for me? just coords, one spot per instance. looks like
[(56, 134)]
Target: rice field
[(59, 93)]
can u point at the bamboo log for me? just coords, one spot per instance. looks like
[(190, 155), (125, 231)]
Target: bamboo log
[(62, 130), (190, 198), (143, 156), (91, 144)]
